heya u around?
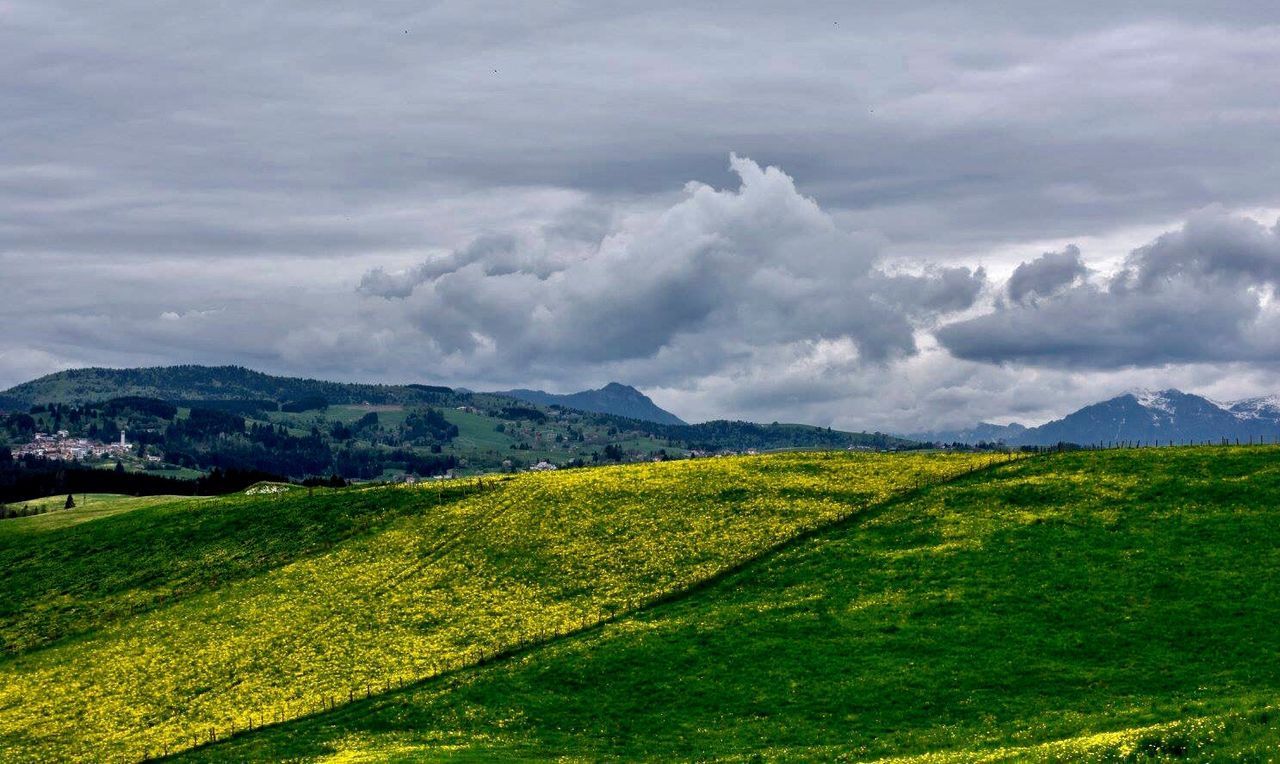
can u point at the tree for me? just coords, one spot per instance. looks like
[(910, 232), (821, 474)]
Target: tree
[(71, 502), (119, 467)]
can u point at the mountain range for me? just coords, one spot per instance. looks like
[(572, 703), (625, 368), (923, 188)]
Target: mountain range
[(1147, 416), (614, 398)]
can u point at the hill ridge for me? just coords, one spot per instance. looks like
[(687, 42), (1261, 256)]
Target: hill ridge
[(614, 398), (196, 381)]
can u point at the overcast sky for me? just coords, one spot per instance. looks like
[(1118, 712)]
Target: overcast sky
[(895, 217)]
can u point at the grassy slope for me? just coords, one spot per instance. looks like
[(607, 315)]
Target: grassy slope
[(89, 506), (542, 554), (64, 576), (477, 432), (1121, 603)]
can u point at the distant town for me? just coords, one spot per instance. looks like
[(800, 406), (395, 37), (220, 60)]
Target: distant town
[(60, 445)]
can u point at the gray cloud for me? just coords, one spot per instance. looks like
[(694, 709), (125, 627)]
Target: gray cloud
[(1046, 274), (937, 291), (1214, 245), (762, 265), (1199, 294)]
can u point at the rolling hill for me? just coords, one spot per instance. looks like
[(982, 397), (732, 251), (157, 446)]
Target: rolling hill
[(1102, 604), (1099, 606), (146, 631)]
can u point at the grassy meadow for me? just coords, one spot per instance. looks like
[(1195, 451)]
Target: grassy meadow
[(89, 506), (1099, 606), (155, 630)]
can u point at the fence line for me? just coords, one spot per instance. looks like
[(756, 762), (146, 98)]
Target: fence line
[(1115, 445)]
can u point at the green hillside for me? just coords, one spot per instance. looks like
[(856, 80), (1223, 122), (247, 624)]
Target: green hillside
[(1104, 606), (187, 420), (1108, 606), (64, 576), (229, 613), (49, 513), (175, 383)]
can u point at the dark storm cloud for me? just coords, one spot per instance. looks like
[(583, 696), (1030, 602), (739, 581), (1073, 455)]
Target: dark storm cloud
[(1046, 274), (1203, 293)]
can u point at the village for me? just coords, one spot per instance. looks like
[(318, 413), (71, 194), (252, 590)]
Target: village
[(60, 445)]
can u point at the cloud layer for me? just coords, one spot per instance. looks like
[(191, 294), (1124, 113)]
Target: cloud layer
[(471, 193), (1202, 294)]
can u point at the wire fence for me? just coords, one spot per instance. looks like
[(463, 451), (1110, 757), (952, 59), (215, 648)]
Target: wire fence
[(1112, 445)]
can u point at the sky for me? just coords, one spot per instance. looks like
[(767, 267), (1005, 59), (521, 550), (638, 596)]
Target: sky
[(890, 217)]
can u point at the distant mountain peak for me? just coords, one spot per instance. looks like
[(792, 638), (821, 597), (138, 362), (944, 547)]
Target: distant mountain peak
[(1157, 400), (1143, 415), (618, 387), (614, 398)]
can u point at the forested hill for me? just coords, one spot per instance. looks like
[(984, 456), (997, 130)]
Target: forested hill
[(720, 434), (195, 383)]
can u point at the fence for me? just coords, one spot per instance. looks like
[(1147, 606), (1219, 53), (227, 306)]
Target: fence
[(1111, 445)]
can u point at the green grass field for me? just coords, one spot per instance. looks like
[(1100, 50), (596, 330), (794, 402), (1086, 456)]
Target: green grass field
[(89, 506), (1105, 606), (252, 608), (64, 576)]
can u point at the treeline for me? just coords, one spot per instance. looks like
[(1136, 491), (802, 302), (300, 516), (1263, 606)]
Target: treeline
[(34, 478), (737, 435)]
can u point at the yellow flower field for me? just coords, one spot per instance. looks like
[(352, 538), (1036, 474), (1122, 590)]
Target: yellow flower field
[(536, 556)]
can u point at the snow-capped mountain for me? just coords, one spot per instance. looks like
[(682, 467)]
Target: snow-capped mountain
[(1265, 407), (1149, 416)]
